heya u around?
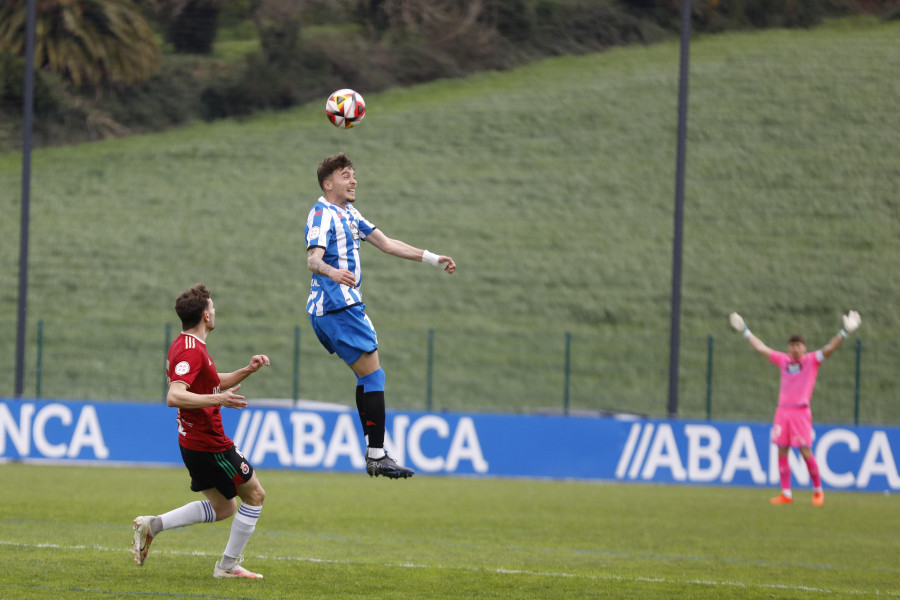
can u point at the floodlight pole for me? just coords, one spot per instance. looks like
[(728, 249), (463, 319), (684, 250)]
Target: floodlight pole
[(28, 118), (677, 238)]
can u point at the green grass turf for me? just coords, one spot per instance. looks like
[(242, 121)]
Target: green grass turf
[(551, 185), (65, 533)]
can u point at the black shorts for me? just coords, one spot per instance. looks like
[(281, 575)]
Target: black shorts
[(224, 471)]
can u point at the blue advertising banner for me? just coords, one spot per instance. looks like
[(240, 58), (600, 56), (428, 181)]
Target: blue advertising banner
[(590, 448)]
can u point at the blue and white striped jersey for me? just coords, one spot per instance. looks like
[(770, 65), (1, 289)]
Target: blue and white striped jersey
[(339, 231)]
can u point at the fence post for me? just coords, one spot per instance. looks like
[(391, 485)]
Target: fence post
[(856, 386), (568, 373), (429, 382), (166, 354), (709, 370), (296, 394), (39, 369)]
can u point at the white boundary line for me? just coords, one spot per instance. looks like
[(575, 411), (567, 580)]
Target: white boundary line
[(500, 571)]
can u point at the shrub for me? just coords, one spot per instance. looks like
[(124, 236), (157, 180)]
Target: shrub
[(720, 15), (12, 88), (578, 26), (168, 99)]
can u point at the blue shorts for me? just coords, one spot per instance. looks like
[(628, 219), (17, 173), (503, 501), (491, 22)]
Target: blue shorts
[(348, 332)]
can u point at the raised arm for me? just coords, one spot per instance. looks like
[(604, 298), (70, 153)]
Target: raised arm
[(180, 396), (757, 344), (851, 323), (227, 380), (404, 250)]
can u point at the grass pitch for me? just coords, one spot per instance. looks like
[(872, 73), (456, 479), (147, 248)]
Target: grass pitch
[(65, 533), (551, 185)]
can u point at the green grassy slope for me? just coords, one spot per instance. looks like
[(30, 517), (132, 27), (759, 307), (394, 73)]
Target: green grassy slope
[(325, 535), (551, 186)]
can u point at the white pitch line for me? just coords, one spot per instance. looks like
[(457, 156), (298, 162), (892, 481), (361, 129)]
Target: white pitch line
[(499, 570)]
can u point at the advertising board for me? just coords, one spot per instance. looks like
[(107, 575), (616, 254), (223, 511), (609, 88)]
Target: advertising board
[(556, 447)]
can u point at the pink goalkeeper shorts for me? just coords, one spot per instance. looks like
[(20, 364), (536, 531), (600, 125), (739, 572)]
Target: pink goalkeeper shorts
[(793, 426)]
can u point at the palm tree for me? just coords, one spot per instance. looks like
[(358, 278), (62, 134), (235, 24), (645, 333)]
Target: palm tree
[(88, 42)]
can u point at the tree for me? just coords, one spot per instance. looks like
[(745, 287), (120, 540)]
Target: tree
[(88, 42), (192, 25), (442, 19), (278, 24)]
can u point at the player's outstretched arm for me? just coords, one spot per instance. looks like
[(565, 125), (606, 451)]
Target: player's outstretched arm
[(851, 322), (403, 250), (227, 380), (737, 322), (437, 260)]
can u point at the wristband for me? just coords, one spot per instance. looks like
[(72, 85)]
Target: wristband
[(430, 258), (746, 333), (842, 333)]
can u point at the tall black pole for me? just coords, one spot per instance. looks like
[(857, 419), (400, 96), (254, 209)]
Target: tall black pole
[(677, 238), (28, 118)]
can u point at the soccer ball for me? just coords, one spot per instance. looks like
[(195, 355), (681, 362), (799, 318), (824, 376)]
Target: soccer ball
[(345, 108)]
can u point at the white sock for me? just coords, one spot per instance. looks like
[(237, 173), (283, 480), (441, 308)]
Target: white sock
[(200, 511), (787, 493), (375, 453), (241, 529)]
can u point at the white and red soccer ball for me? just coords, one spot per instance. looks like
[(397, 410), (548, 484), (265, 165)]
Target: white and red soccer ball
[(345, 108)]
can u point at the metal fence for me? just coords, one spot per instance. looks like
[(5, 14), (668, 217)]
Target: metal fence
[(551, 372)]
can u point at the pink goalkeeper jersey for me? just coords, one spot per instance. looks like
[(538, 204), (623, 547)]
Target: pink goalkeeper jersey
[(797, 378)]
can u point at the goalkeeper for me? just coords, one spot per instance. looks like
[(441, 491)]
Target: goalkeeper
[(793, 418)]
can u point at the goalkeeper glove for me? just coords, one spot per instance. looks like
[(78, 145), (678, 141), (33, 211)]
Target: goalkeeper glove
[(851, 323), (737, 321)]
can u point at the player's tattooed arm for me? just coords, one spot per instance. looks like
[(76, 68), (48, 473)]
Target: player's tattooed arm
[(317, 265)]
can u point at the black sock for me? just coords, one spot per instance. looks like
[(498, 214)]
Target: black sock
[(360, 407), (372, 415)]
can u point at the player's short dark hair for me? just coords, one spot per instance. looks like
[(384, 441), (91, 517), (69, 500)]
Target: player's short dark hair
[(796, 337), (335, 162), (191, 304)]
